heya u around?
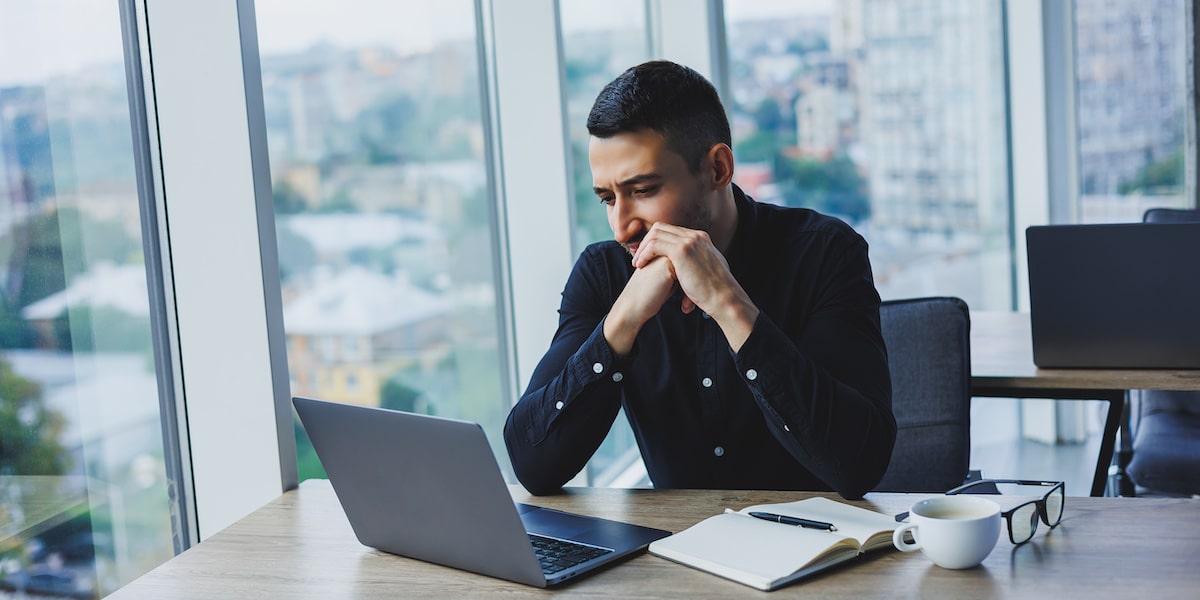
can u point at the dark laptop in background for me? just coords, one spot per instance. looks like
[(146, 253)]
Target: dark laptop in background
[(429, 488), (1115, 296)]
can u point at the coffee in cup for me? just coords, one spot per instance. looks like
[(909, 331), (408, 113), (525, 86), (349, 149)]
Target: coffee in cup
[(955, 532)]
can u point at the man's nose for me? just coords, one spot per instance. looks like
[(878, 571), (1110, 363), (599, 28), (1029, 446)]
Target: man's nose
[(624, 224)]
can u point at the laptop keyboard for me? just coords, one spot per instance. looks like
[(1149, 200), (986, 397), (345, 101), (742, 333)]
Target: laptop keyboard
[(555, 555)]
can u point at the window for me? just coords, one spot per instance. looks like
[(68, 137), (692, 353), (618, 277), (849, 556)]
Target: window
[(1131, 97), (352, 349), (890, 115), (600, 39), (374, 114), (82, 474)]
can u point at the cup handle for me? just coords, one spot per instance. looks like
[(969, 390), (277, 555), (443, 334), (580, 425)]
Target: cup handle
[(898, 538)]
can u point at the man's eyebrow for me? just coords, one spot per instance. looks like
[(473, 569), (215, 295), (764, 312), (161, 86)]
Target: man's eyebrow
[(635, 180)]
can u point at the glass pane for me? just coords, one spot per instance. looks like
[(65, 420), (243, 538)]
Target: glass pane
[(382, 202), (601, 38), (890, 115), (84, 502), (1131, 92)]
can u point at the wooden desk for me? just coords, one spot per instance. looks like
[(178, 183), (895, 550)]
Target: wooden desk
[(301, 546), (1002, 367)]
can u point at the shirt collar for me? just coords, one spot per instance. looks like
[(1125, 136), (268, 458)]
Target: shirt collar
[(739, 248)]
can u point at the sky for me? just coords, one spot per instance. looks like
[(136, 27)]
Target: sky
[(290, 25), (44, 38), (743, 10), (53, 37)]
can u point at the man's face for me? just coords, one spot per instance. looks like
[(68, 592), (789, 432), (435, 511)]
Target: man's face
[(642, 182)]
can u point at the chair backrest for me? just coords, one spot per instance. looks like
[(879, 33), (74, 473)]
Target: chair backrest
[(1153, 401), (929, 353), (1171, 215)]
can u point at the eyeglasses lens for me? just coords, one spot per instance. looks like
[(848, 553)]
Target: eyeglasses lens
[(1024, 522), (1054, 506)]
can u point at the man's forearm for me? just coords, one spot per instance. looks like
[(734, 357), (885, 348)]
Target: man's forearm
[(736, 318), (620, 333), (641, 299)]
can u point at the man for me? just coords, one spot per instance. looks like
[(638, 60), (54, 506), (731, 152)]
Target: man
[(741, 338)]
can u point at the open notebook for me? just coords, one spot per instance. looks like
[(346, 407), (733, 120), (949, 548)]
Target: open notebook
[(768, 555)]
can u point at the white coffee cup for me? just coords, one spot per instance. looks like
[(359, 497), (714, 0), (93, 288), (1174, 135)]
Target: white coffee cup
[(955, 532)]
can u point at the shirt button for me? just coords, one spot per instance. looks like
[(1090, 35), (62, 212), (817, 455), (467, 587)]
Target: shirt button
[(706, 382), (558, 405), (751, 374), (617, 377), (786, 428), (705, 315), (598, 368), (719, 451)]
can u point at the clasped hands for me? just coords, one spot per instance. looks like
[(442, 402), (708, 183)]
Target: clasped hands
[(670, 256)]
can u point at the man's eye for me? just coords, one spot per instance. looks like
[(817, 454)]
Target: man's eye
[(643, 191), (606, 200)]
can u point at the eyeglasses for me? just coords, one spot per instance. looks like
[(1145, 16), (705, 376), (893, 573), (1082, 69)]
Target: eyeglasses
[(1023, 519)]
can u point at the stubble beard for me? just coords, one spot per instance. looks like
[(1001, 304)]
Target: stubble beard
[(698, 217)]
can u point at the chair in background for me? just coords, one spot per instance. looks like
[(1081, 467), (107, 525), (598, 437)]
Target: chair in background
[(1166, 441), (929, 354)]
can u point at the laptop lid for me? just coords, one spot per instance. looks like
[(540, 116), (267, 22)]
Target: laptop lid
[(1115, 296), (430, 488)]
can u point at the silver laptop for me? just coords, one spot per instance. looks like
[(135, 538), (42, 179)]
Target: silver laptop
[(429, 488), (1115, 296)]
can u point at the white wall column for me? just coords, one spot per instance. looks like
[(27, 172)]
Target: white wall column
[(1045, 180), (689, 32), (209, 200), (1027, 107), (533, 175)]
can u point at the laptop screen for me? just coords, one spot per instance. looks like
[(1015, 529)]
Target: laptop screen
[(1115, 296)]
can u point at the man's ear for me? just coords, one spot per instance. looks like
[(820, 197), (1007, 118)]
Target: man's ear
[(720, 156)]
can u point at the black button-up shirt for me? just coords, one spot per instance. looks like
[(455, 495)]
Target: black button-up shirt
[(805, 404)]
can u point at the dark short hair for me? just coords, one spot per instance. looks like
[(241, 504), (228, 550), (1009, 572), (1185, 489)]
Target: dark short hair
[(671, 99)]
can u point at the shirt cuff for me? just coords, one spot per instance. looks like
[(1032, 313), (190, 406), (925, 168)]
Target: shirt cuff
[(595, 362), (761, 363)]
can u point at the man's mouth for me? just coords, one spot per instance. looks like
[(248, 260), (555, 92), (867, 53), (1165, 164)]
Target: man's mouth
[(632, 245)]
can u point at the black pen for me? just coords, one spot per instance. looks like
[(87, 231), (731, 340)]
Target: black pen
[(786, 520)]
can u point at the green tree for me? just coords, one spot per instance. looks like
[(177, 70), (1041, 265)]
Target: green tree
[(769, 116), (296, 254), (397, 396), (47, 251), (760, 146), (1155, 177), (29, 430), (288, 200), (75, 330), (15, 332), (339, 202), (832, 186), (591, 218), (308, 465)]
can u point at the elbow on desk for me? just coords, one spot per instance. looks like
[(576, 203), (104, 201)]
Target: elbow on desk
[(539, 488), (530, 472), (535, 480), (862, 476)]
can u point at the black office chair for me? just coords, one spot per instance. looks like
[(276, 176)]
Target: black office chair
[(1166, 440), (929, 353)]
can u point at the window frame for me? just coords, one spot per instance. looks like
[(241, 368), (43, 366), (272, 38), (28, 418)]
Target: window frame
[(227, 462)]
